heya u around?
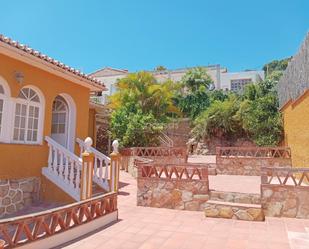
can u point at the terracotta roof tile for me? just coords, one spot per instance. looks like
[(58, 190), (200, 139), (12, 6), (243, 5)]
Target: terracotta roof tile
[(44, 57)]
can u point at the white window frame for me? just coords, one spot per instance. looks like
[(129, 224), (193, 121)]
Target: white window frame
[(4, 98), (40, 105), (6, 116)]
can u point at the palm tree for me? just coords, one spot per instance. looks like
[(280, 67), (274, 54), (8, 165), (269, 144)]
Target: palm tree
[(143, 90)]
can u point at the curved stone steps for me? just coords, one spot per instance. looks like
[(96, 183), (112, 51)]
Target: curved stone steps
[(235, 197), (232, 210)]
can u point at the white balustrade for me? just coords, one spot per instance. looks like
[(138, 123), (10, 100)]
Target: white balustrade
[(101, 165), (64, 168)]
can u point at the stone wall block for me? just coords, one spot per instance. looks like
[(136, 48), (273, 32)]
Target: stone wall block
[(211, 212), (17, 197), (192, 206), (172, 193), (6, 201), (12, 192), (248, 166), (10, 209), (4, 190), (186, 196), (3, 182), (226, 212), (243, 215), (15, 194)]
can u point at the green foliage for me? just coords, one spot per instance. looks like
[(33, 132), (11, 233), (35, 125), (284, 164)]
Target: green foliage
[(219, 120), (276, 65), (217, 95), (259, 112), (196, 79), (261, 120), (192, 104), (253, 113), (141, 108), (135, 128), (194, 97)]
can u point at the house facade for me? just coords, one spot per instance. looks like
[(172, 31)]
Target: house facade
[(222, 79), (40, 98), (294, 103)]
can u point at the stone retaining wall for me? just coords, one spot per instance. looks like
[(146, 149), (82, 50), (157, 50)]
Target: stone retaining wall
[(175, 194), (248, 166), (15, 194), (235, 197), (285, 201)]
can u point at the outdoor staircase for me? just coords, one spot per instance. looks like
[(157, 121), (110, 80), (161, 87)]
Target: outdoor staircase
[(64, 169), (166, 140), (234, 205)]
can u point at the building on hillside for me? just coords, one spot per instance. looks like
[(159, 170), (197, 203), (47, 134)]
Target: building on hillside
[(222, 79), (44, 109), (293, 90), (235, 81)]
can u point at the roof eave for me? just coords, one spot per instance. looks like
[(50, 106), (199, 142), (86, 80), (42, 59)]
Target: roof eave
[(23, 56)]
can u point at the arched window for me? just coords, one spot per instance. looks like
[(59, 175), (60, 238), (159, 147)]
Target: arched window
[(27, 116), (4, 111)]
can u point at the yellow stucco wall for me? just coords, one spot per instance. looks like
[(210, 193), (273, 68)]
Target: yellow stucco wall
[(51, 193), (296, 129), (18, 160)]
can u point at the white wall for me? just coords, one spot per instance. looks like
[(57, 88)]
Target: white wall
[(226, 78)]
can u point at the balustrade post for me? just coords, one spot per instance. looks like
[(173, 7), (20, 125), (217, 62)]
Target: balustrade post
[(114, 167), (2, 243), (87, 171)]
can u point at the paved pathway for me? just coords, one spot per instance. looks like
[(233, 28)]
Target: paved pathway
[(154, 228)]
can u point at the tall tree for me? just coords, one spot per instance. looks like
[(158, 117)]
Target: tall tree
[(194, 97), (141, 109), (196, 79), (276, 65)]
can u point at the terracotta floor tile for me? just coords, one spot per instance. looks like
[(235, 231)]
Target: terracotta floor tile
[(279, 245), (237, 243), (164, 234), (154, 228)]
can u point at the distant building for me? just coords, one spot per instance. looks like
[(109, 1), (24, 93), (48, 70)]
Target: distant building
[(222, 79), (236, 81)]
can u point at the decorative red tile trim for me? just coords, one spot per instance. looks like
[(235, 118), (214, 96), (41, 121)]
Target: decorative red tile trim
[(251, 152), (281, 176), (185, 171), (25, 229)]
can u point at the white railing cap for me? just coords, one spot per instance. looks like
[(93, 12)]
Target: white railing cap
[(115, 145), (88, 143)]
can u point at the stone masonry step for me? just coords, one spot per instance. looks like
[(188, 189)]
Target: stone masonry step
[(235, 197), (231, 210)]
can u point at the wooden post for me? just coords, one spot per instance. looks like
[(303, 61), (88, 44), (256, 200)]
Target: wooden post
[(87, 171), (115, 167)]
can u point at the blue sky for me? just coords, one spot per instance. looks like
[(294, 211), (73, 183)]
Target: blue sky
[(141, 34)]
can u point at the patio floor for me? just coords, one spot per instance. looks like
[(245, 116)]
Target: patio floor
[(229, 183), (153, 228)]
